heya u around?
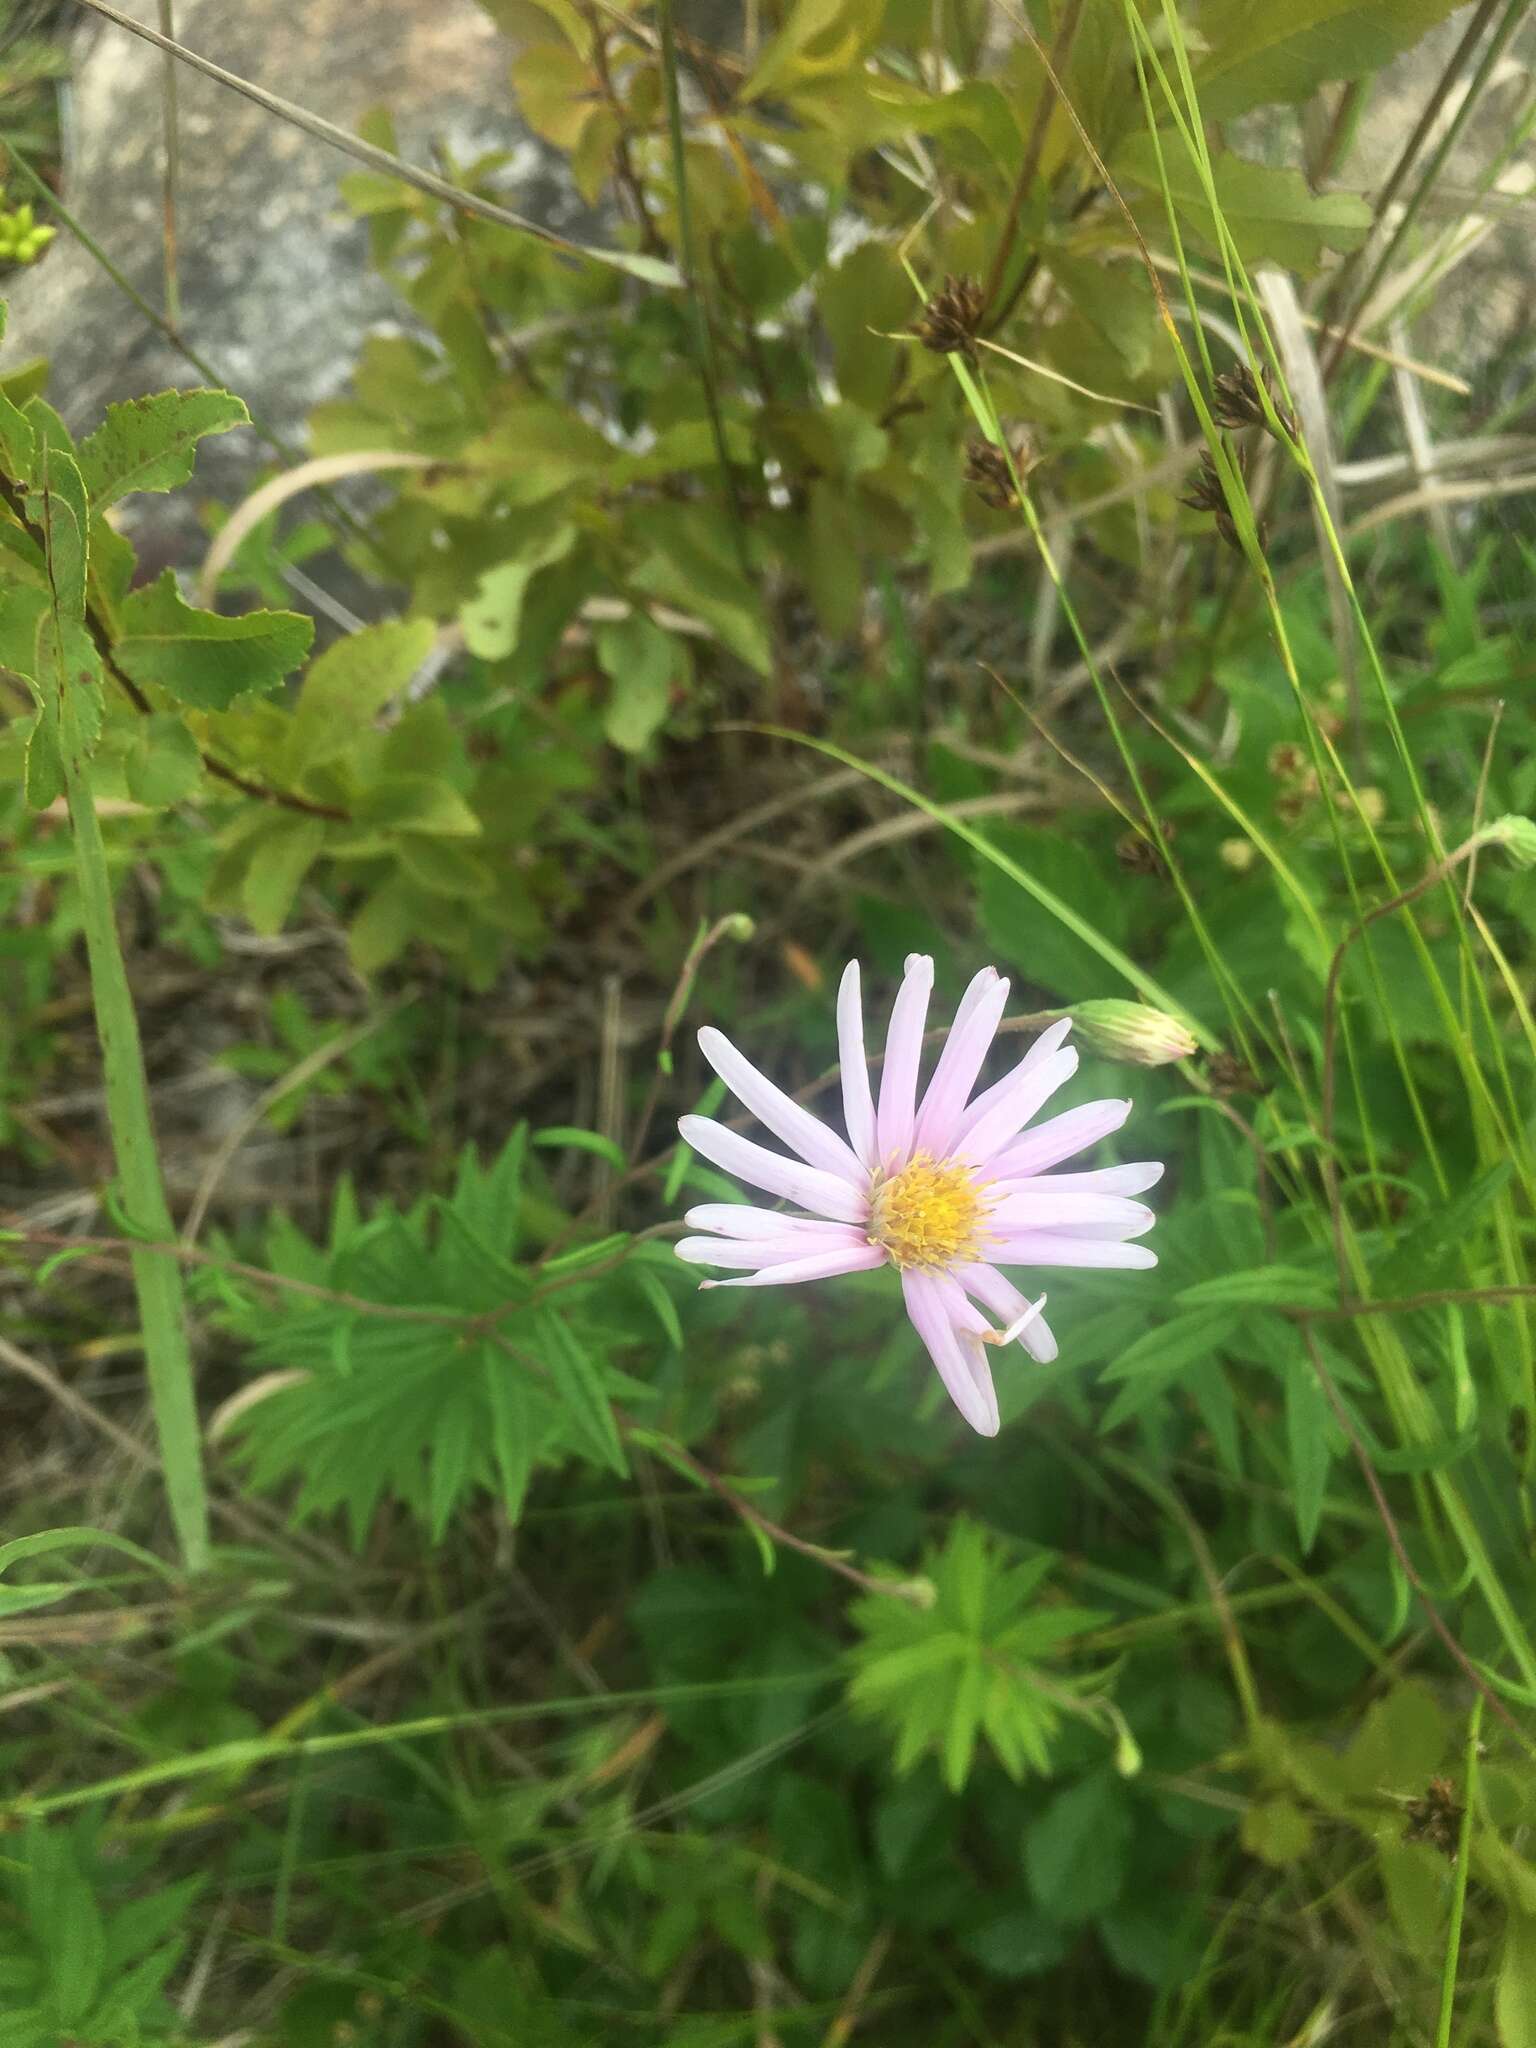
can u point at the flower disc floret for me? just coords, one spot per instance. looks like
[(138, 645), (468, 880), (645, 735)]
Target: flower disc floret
[(928, 1215)]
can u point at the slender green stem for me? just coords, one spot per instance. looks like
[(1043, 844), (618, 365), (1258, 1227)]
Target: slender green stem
[(172, 167), (1459, 1893), (157, 1280), (704, 337)]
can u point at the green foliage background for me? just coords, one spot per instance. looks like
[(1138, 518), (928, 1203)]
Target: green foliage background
[(918, 525)]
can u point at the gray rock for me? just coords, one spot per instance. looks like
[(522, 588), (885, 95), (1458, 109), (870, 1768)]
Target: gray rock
[(276, 288)]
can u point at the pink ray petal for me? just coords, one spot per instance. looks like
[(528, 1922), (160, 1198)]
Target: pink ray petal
[(1111, 1233), (812, 1242), (965, 1049), (1057, 1248), (1016, 1212), (1013, 1109), (860, 1258), (997, 1292), (858, 1102), (957, 1352), (800, 1131), (824, 1194), (1132, 1179), (737, 1219), (903, 1056), (1073, 1131), (1050, 1040)]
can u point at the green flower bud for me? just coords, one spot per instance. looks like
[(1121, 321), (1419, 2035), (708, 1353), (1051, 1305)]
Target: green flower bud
[(1133, 1031), (1516, 835)]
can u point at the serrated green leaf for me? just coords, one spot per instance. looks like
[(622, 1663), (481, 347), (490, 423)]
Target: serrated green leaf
[(1271, 212), (66, 1924), (692, 565), (280, 859), (513, 1441), (68, 671), (1077, 1852), (1308, 1432), (384, 927), (44, 775), (1277, 1832), (493, 617), (150, 444), (200, 658), (417, 803), (1436, 1242), (451, 1455), (57, 504), (350, 684), (1254, 54), (563, 1137), (579, 1384), (964, 1721), (161, 763), (1173, 1344), (17, 447), (1261, 1287), (443, 867), (1514, 1998), (640, 661)]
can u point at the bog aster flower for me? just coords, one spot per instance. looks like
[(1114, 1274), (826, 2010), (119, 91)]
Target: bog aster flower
[(948, 1188)]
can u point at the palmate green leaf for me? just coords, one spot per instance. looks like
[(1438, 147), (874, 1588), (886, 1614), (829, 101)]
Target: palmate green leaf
[(944, 1678), (1272, 213), (453, 1448), (578, 1382), (66, 1924), (489, 1198), (202, 659), (150, 444), (1256, 54), (517, 1430)]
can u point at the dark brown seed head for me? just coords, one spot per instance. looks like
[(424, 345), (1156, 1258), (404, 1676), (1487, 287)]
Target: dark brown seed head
[(949, 321), (1236, 403), (1229, 1075), (1138, 854), (988, 473), (1436, 1817)]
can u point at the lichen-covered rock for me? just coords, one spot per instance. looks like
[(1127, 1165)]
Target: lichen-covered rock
[(276, 289)]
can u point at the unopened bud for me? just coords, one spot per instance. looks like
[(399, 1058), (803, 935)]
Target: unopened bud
[(919, 1593), (1133, 1031), (737, 926), (1516, 835)]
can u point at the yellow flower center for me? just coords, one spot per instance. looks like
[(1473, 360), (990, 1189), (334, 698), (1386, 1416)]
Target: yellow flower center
[(927, 1214)]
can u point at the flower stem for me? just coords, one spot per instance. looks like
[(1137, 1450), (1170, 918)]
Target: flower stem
[(157, 1280)]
